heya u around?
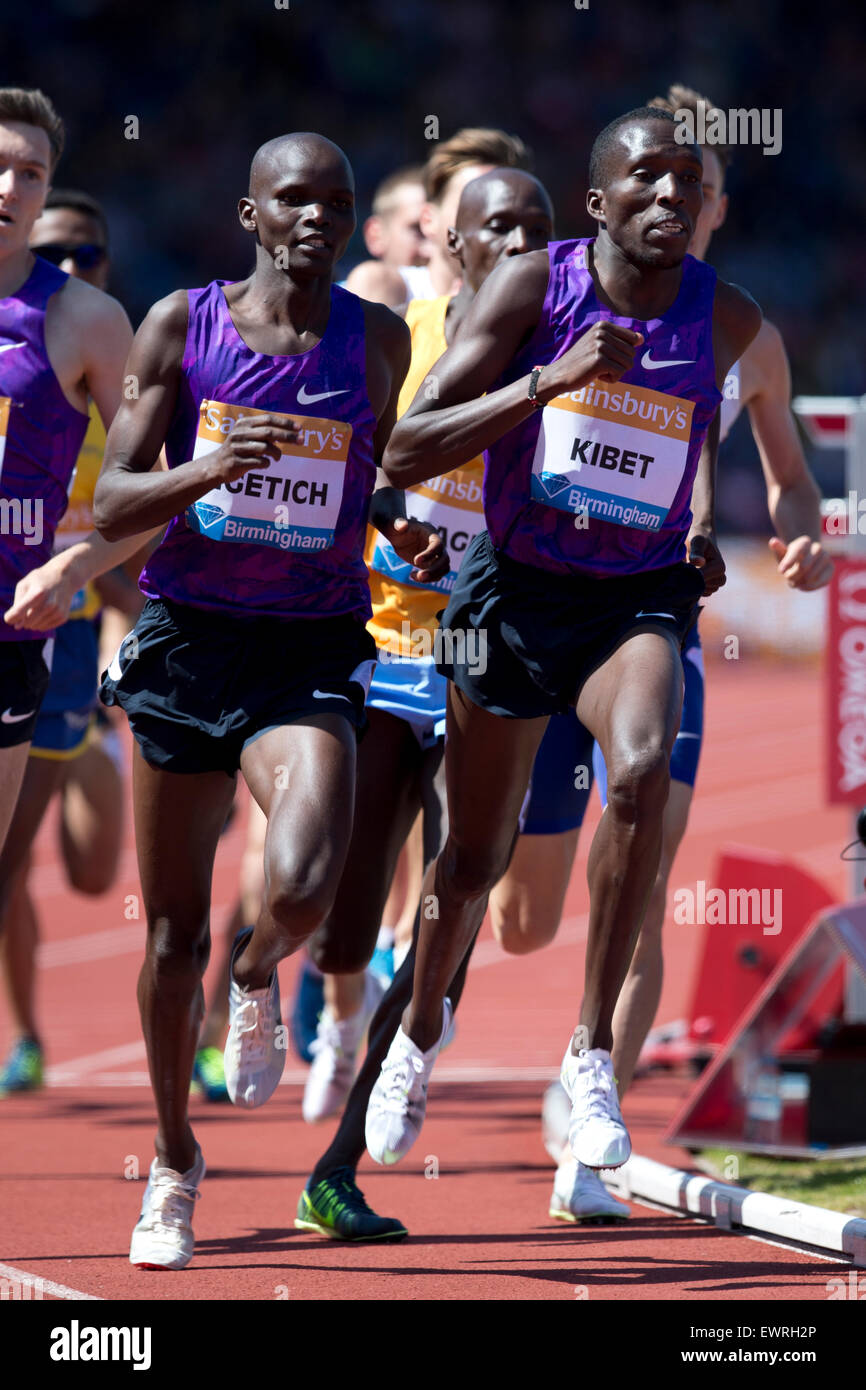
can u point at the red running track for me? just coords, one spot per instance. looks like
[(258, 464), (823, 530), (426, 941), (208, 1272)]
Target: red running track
[(480, 1229)]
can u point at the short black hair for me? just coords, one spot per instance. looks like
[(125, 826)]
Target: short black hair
[(79, 201), (607, 139)]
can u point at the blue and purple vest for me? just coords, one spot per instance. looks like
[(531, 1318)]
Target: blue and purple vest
[(599, 482), (40, 438), (284, 541)]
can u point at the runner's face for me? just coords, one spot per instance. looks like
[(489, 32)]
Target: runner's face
[(715, 207), (25, 162), (303, 211), (511, 218), (653, 196), (69, 227), (404, 242), (436, 218)]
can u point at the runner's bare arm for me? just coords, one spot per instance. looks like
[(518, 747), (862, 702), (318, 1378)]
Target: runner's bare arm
[(389, 345), (701, 546), (736, 321), (131, 497), (451, 419), (793, 497), (100, 324)]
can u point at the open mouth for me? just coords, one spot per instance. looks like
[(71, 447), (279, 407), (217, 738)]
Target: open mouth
[(315, 243), (671, 227)]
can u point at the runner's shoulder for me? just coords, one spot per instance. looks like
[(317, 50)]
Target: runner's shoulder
[(86, 309), (387, 328), (383, 284), (736, 311), (516, 287)]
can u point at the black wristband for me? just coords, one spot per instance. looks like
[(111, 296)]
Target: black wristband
[(533, 386)]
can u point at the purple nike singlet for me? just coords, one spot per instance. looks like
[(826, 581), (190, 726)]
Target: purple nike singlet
[(599, 482), (40, 438), (285, 541)]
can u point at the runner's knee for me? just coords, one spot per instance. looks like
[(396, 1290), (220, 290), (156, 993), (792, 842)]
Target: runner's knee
[(638, 782), (518, 932), (299, 898), (469, 872), (178, 949)]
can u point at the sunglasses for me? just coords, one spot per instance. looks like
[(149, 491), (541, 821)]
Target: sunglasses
[(86, 256)]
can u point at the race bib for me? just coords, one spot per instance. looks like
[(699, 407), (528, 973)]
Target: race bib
[(5, 402), (453, 505), (614, 452), (294, 503)]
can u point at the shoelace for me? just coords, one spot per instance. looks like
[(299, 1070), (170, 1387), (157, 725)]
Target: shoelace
[(334, 1203), (598, 1093), (328, 1035), (170, 1202), (249, 1026), (397, 1073)]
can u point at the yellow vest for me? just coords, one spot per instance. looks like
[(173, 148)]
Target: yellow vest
[(77, 521), (452, 502)]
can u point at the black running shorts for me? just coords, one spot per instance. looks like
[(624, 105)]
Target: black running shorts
[(198, 686), (520, 641), (24, 677)]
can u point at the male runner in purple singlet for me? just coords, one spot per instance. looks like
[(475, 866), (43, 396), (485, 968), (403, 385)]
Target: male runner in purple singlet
[(62, 342), (591, 375), (274, 398)]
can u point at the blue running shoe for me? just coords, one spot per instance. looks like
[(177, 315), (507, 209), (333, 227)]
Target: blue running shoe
[(306, 1011), (23, 1069), (382, 964)]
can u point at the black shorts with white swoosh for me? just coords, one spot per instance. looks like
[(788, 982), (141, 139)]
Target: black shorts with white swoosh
[(24, 677), (197, 686)]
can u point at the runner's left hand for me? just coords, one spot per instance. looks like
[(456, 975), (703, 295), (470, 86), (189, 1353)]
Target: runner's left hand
[(704, 553), (419, 544), (804, 563)]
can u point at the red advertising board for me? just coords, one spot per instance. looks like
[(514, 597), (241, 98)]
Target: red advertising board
[(845, 672)]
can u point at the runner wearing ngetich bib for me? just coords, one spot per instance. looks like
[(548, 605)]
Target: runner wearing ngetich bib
[(274, 398), (591, 376), (501, 215)]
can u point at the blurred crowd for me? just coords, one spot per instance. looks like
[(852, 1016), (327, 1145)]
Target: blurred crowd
[(207, 84)]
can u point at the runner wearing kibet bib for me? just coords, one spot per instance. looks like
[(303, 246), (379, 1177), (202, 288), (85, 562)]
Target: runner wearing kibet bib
[(251, 652), (578, 590)]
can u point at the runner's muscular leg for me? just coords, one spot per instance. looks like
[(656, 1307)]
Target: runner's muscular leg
[(303, 777), (42, 777), (178, 819), (526, 904), (488, 761), (13, 761), (631, 704)]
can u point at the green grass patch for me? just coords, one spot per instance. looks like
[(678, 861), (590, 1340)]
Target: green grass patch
[(837, 1183)]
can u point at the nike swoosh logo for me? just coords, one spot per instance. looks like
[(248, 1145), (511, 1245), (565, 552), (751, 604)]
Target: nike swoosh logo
[(305, 399), (651, 366), (329, 695), (7, 717), (7, 347)]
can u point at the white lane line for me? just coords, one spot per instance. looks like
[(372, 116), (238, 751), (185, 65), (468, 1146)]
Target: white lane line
[(64, 1078), (41, 1286), (80, 1066)]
